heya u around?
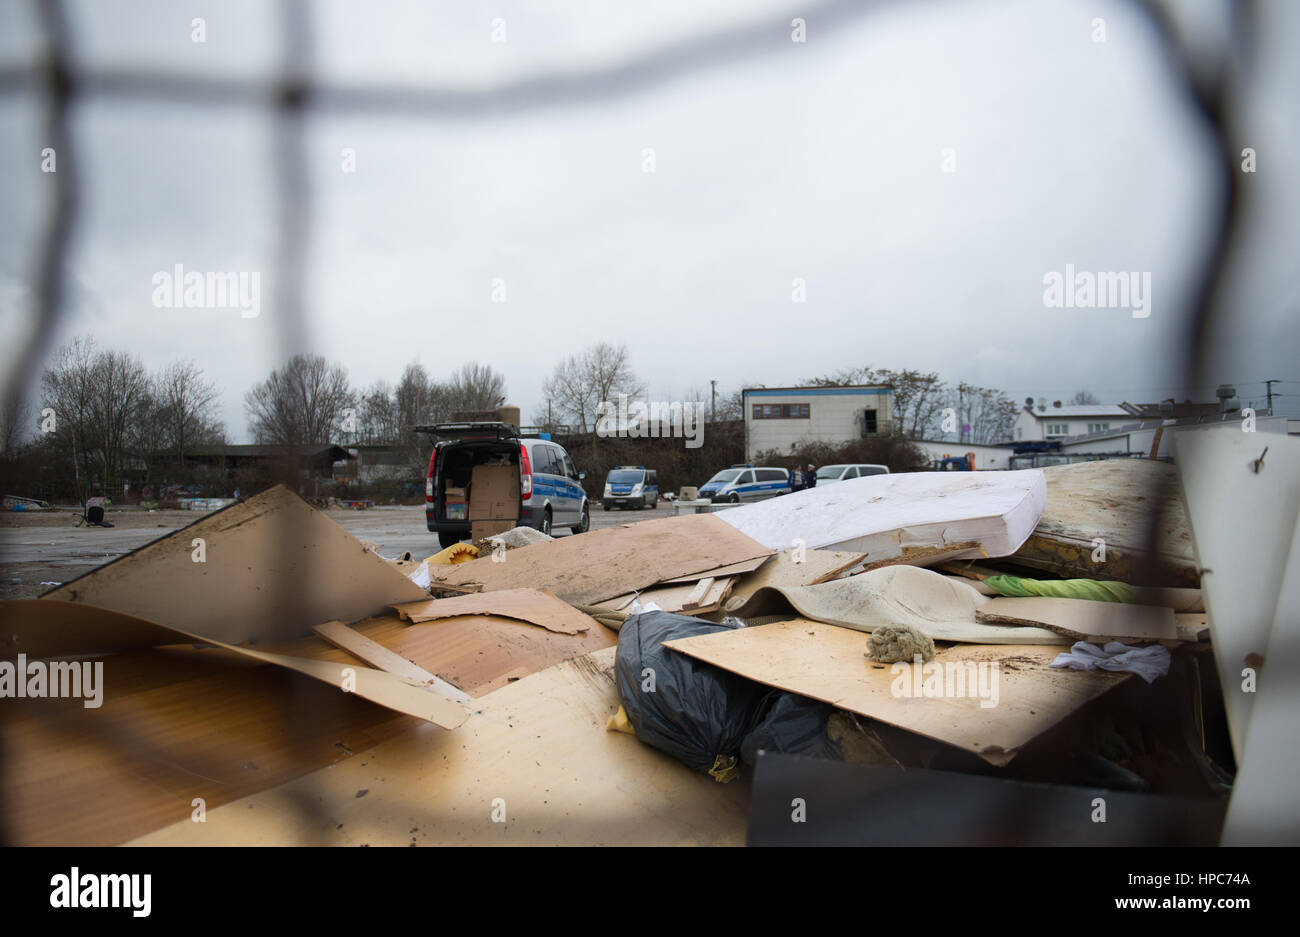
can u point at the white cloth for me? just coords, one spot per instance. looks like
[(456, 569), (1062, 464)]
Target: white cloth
[(1147, 662)]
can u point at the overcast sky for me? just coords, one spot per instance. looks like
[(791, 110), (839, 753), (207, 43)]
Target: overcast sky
[(819, 160)]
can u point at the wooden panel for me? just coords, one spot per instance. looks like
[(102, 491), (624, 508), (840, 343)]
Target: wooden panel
[(176, 724), (357, 644), (475, 652), (36, 615), (274, 566), (734, 569), (1111, 500), (537, 747), (673, 598), (827, 662), (536, 606), (601, 564)]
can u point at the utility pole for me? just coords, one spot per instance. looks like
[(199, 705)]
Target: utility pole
[(1269, 386), (714, 386)]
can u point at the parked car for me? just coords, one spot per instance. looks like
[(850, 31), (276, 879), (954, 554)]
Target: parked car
[(631, 486), (842, 473), (550, 493), (746, 483)]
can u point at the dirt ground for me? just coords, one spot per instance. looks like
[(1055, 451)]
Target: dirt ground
[(41, 549)]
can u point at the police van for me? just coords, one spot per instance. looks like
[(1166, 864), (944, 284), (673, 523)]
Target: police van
[(746, 483), (630, 486)]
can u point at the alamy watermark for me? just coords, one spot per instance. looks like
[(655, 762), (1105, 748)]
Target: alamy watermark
[(641, 420), (953, 679), (1087, 290), (58, 679), (209, 290)]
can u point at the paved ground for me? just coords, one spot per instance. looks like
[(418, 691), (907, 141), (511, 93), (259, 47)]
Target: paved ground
[(48, 547)]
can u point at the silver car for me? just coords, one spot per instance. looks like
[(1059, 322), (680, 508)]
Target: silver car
[(842, 473)]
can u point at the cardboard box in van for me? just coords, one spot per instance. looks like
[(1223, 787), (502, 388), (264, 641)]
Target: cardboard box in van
[(494, 493)]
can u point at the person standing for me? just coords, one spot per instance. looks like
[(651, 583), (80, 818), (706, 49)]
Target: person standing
[(810, 477), (796, 479)]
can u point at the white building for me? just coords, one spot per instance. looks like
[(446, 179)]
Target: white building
[(782, 418), (1053, 423)]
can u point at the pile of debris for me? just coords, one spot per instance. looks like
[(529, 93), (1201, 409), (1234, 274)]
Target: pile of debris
[(912, 658)]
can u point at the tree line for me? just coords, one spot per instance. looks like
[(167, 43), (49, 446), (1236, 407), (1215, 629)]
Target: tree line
[(105, 418)]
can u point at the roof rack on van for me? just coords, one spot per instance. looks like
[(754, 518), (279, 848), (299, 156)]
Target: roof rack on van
[(486, 429)]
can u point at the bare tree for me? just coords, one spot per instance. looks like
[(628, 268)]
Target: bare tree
[(66, 390), (985, 415), (581, 382), (121, 385), (300, 403), (570, 397), (377, 418), (475, 387), (1084, 398), (186, 402)]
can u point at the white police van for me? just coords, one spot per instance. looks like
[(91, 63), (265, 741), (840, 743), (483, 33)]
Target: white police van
[(746, 483)]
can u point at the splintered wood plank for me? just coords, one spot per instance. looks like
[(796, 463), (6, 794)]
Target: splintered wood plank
[(590, 568), (477, 653), (1084, 619), (536, 606), (340, 635), (673, 598), (828, 663), (695, 598)]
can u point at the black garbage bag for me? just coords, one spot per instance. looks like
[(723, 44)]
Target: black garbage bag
[(793, 725), (694, 711)]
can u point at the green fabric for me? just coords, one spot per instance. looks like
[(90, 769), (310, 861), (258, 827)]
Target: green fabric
[(1095, 589)]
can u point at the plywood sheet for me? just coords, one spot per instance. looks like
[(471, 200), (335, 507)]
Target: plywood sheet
[(827, 663), (24, 617), (477, 653), (536, 750), (589, 568), (536, 606), (941, 606), (1085, 619), (176, 724), (928, 515), (273, 567)]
